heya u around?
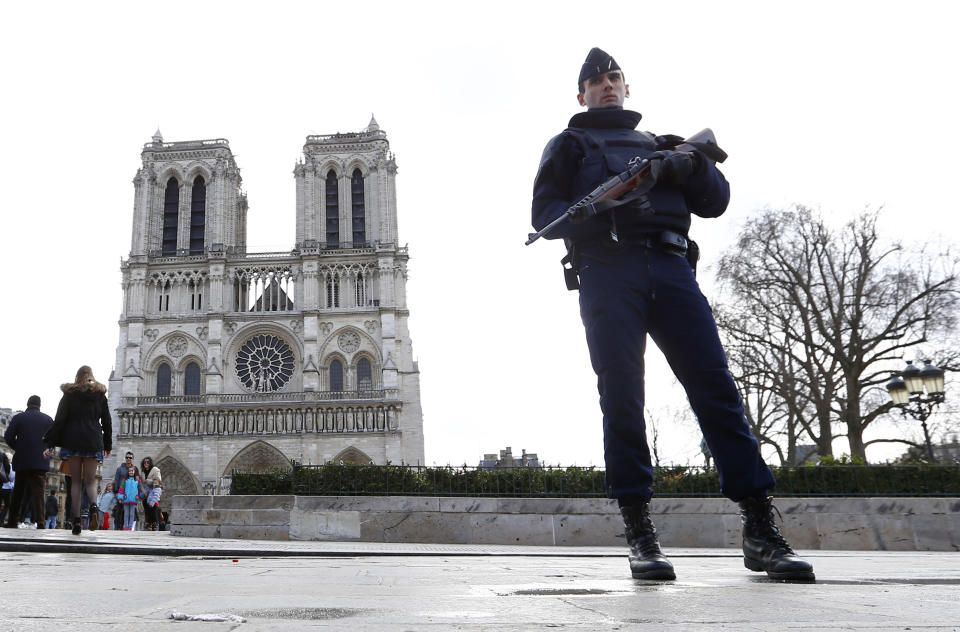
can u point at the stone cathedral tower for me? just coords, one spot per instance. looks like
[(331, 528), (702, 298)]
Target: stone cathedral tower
[(230, 360)]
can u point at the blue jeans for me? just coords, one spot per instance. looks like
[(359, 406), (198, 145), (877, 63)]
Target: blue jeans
[(626, 294), (51, 523), (129, 515)]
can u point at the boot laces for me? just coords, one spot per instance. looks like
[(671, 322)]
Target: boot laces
[(642, 534), (760, 518)]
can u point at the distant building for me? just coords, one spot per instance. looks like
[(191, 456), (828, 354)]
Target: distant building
[(506, 460), (948, 452), (806, 454), (5, 415)]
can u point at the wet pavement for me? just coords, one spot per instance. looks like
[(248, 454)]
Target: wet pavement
[(52, 580)]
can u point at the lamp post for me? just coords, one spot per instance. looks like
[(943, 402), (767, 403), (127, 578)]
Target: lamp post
[(907, 392)]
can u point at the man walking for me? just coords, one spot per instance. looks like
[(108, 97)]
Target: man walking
[(31, 461), (634, 280)]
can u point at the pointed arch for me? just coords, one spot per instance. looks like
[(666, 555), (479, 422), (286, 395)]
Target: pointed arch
[(351, 455), (336, 374), (358, 209), (177, 479), (332, 205), (258, 456), (164, 381), (364, 373), (171, 216), (192, 381), (198, 214)]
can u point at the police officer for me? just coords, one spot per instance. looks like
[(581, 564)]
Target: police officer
[(635, 280)]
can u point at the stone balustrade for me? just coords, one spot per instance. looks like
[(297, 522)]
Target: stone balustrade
[(294, 419)]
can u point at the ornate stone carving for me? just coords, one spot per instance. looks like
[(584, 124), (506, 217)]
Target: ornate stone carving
[(151, 334), (326, 328), (264, 363), (230, 327), (202, 332), (177, 481), (349, 341), (258, 457), (296, 326), (371, 325), (177, 346)]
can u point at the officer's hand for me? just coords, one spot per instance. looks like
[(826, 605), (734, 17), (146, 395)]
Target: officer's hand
[(676, 167)]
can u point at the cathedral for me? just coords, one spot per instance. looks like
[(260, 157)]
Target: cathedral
[(231, 360)]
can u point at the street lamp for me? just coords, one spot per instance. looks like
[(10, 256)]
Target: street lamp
[(907, 392)]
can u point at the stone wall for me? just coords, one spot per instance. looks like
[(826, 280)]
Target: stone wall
[(894, 524)]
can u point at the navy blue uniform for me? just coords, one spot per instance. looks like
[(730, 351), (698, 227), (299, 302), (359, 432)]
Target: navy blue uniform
[(635, 288)]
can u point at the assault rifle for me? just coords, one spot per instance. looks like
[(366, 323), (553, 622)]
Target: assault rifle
[(632, 184)]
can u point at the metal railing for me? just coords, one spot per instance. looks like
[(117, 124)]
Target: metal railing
[(588, 482)]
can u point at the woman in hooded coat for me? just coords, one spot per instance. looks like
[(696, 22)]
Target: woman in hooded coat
[(83, 431)]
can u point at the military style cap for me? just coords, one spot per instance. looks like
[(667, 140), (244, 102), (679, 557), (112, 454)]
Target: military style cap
[(597, 63)]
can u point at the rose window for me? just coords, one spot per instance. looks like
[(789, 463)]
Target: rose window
[(265, 364)]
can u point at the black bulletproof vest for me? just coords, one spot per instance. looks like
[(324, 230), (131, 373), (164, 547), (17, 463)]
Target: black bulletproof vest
[(607, 152)]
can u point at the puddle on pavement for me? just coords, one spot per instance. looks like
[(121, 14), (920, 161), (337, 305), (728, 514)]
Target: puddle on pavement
[(304, 614), (898, 581), (553, 592)]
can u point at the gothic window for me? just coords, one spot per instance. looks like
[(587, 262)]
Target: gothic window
[(171, 212), (196, 295), (364, 375), (333, 211), (163, 380), (264, 363), (356, 198), (192, 384), (163, 304), (333, 290), (336, 376), (198, 214), (361, 290)]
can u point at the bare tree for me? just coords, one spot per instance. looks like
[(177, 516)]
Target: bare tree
[(813, 319)]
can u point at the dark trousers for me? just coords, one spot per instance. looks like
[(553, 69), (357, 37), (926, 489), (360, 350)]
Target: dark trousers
[(626, 294), (28, 487)]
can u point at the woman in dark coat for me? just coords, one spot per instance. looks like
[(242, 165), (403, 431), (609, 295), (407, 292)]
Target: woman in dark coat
[(83, 431)]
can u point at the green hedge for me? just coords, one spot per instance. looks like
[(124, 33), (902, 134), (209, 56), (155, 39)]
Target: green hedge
[(399, 480)]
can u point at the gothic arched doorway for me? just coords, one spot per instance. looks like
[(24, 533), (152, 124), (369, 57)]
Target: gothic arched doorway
[(177, 481)]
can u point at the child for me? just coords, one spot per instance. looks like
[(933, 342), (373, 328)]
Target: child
[(153, 500), (129, 495), (106, 503)]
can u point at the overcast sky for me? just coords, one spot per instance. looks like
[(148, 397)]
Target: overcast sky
[(836, 105)]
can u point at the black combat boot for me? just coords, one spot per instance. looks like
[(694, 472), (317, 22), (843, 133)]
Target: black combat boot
[(76, 526), (647, 561), (765, 548)]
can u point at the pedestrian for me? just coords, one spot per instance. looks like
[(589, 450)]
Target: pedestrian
[(119, 475), (83, 431), (129, 496), (7, 476), (151, 477), (106, 504), (153, 500), (53, 510), (31, 460), (634, 279)]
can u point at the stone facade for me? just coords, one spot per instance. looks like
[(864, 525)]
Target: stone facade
[(235, 360)]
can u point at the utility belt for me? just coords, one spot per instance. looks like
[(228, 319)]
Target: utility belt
[(666, 241)]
